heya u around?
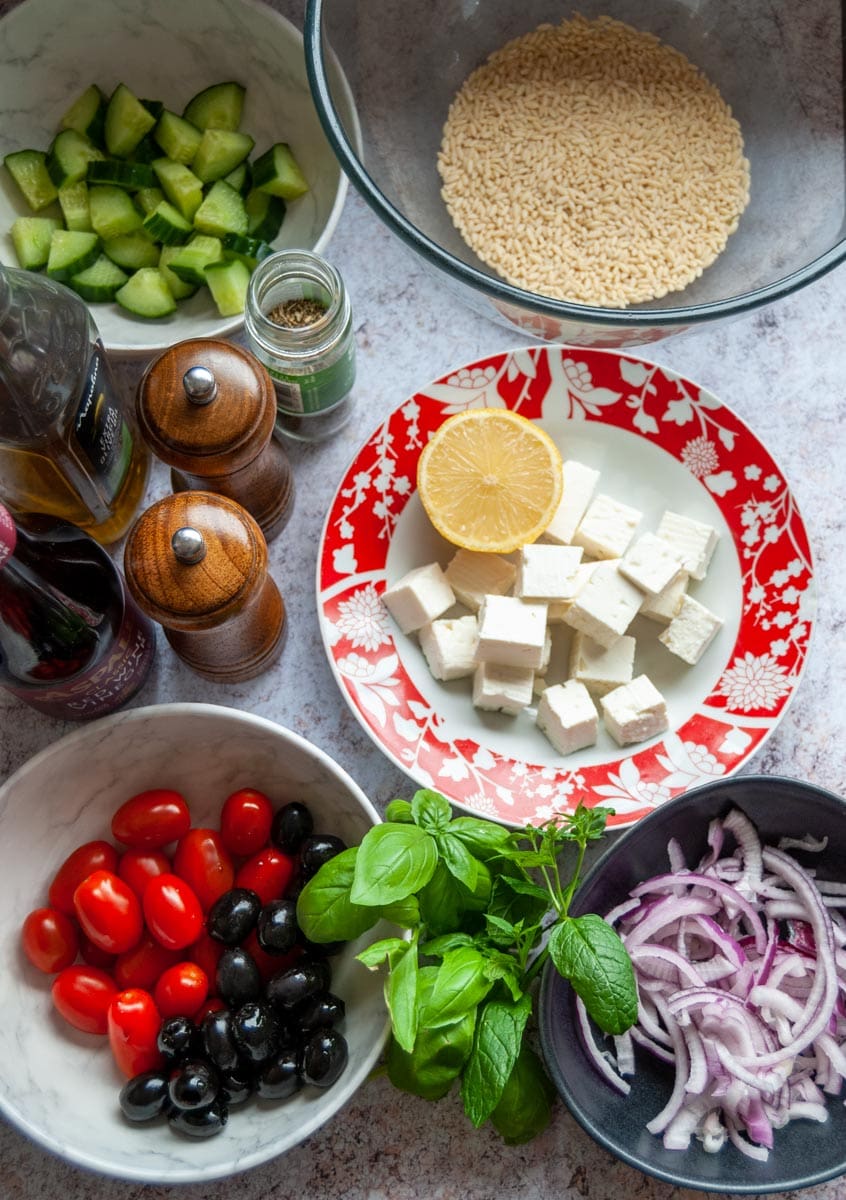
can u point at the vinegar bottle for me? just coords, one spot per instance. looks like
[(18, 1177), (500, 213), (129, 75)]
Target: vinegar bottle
[(73, 644), (68, 443)]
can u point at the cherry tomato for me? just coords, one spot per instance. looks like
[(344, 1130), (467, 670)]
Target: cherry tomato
[(138, 867), (204, 862), (181, 989), (268, 873), (151, 819), (85, 859), (206, 952), (93, 955), (245, 821), (109, 912), (133, 1026), (172, 911), (82, 995), (141, 966), (269, 964), (50, 939)]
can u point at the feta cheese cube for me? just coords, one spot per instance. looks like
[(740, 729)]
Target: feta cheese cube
[(557, 609), (568, 716), (473, 575), (579, 485), (651, 564), (512, 632), (607, 527), (667, 603), (634, 712), (419, 597), (694, 540), (691, 631), (546, 572), (599, 668), (606, 605), (502, 688), (449, 646)]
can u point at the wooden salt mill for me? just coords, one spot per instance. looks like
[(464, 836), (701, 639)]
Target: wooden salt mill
[(197, 563), (207, 408)]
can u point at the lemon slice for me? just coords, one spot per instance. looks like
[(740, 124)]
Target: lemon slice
[(489, 480)]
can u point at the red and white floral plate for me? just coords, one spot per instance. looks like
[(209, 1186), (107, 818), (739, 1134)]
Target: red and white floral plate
[(659, 442)]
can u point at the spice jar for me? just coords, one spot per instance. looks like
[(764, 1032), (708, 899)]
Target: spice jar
[(298, 322)]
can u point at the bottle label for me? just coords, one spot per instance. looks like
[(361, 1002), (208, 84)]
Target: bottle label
[(8, 535), (101, 432), (318, 391)]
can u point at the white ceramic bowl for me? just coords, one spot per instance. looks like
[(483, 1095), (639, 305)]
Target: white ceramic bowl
[(50, 50), (59, 1086)]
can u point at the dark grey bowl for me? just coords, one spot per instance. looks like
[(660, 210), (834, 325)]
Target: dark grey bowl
[(804, 1153)]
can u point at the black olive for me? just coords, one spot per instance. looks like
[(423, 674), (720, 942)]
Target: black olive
[(255, 1031), (319, 1010), (296, 983), (325, 1055), (237, 979), (233, 915), (194, 1085), (291, 825), (144, 1096), (200, 1122), (218, 1039), (280, 1077), (277, 928), (320, 965), (317, 850), (237, 1085), (292, 891), (177, 1038)]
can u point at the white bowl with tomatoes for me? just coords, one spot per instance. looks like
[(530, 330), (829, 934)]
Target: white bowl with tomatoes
[(116, 843)]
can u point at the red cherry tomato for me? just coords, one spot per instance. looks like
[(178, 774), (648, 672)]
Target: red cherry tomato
[(133, 1025), (172, 911), (268, 873), (109, 912), (138, 867), (245, 821), (152, 819), (269, 964), (85, 859), (206, 953), (93, 955), (141, 966), (50, 939), (204, 862), (83, 995), (180, 990)]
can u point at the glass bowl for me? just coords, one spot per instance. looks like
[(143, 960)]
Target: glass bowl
[(781, 73)]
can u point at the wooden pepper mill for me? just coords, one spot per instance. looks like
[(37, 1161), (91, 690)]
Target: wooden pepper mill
[(197, 563), (208, 408)]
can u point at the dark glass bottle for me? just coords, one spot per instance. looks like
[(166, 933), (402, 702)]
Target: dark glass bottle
[(73, 644)]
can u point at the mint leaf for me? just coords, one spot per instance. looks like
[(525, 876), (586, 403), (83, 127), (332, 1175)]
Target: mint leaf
[(393, 861), (325, 912), (430, 810), (496, 1045), (588, 952)]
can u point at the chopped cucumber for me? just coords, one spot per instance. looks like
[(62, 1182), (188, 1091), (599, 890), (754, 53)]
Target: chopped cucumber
[(148, 199), (132, 251), (156, 107), (219, 152), (71, 251), (277, 172), (250, 250), (112, 212), (265, 214), (178, 138), (241, 178), (167, 225), (122, 174), (28, 168), (180, 185), (127, 120), (73, 201), (146, 151), (87, 114), (217, 107), (228, 283), (31, 238), (191, 261), (99, 282), (70, 156), (146, 294), (180, 288), (222, 211)]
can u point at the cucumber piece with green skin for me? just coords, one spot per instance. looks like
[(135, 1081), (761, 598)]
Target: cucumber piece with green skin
[(119, 173), (156, 107), (73, 201), (87, 115), (70, 156), (265, 214), (228, 283), (241, 178), (278, 172), (180, 185), (180, 289), (250, 250), (132, 251), (167, 225), (112, 211), (176, 137), (147, 150), (71, 251), (127, 120), (99, 282), (217, 107), (148, 199), (146, 294), (219, 152), (28, 168), (192, 259), (222, 211), (31, 237)]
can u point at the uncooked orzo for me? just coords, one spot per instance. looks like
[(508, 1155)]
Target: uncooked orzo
[(589, 161)]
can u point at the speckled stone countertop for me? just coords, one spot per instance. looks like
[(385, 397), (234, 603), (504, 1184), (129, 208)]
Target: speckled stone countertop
[(783, 371)]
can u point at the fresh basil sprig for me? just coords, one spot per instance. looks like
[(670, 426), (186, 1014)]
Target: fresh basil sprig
[(485, 907)]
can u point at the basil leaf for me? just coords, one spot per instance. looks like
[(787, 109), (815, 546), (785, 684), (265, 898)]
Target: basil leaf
[(393, 861), (483, 838), (438, 1056), (385, 950), (437, 947), (460, 983), (501, 931), (325, 912), (459, 861), (401, 996), (405, 912), (444, 902), (430, 810), (588, 952), (525, 1106), (399, 811), (496, 1046)]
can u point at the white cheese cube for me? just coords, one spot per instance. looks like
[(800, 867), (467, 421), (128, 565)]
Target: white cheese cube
[(419, 597), (568, 717), (691, 631), (449, 646), (546, 573), (473, 575), (667, 603), (557, 609), (599, 668), (694, 540), (579, 485), (607, 527), (512, 632), (606, 605), (502, 688), (651, 564), (634, 712)]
